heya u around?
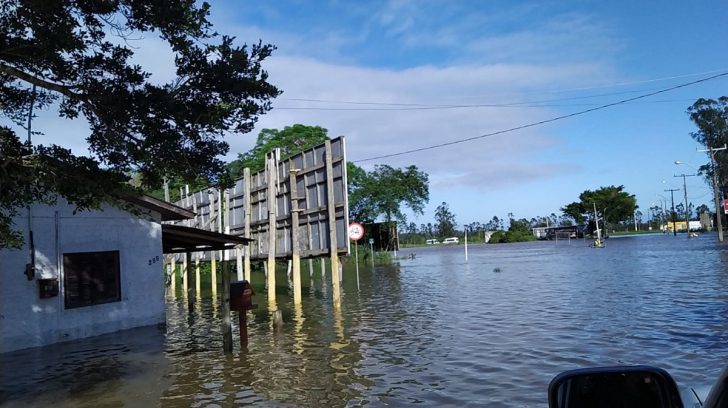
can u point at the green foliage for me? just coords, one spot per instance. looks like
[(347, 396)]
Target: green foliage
[(507, 237), (613, 204), (711, 118), (291, 140), (365, 256), (445, 221), (58, 55), (384, 191)]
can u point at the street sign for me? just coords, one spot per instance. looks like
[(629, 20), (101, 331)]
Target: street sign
[(356, 231), (725, 206), (371, 241)]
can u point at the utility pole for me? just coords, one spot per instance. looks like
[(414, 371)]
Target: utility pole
[(672, 199), (718, 214), (687, 210)]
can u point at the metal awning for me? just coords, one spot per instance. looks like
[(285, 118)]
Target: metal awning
[(179, 239)]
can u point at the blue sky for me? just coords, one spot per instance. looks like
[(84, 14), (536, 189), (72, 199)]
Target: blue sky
[(429, 53)]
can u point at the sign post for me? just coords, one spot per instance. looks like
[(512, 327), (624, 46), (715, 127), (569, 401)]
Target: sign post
[(356, 232), (371, 249)]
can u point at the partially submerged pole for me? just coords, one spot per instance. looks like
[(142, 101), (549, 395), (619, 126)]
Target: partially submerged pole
[(295, 244), (213, 261), (466, 245), (173, 283), (227, 332), (331, 204), (188, 278), (272, 166), (246, 218)]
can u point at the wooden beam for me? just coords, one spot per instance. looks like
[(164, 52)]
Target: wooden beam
[(332, 227), (295, 245)]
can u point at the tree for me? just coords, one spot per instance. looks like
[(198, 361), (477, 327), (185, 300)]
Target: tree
[(575, 211), (60, 55), (711, 118), (702, 208), (680, 210), (385, 192), (444, 221), (613, 204), (291, 140)]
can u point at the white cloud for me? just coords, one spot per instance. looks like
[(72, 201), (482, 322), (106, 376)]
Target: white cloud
[(310, 64), (487, 163)]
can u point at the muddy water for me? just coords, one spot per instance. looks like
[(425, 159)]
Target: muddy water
[(431, 331)]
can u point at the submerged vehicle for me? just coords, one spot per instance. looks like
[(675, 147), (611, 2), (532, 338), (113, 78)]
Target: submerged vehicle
[(630, 386)]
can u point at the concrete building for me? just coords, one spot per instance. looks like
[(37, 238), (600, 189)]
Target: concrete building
[(94, 272)]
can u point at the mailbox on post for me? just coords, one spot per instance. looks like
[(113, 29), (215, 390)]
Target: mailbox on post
[(241, 296), (241, 300)]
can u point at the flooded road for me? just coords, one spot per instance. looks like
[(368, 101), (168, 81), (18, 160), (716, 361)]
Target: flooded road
[(432, 330)]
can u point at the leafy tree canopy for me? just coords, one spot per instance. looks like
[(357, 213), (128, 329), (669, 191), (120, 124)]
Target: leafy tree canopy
[(74, 57), (711, 118), (384, 192), (291, 140), (613, 204), (445, 221)]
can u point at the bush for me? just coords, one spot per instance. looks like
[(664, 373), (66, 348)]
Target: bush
[(501, 237)]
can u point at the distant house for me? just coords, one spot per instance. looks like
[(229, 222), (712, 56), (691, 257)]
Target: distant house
[(539, 232), (572, 231), (94, 272)]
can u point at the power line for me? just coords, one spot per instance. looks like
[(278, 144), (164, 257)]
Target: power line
[(521, 93), (506, 105), (545, 121)]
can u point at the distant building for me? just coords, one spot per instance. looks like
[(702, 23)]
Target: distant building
[(574, 231), (680, 226), (539, 232)]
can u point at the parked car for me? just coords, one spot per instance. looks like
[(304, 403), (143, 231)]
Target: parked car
[(453, 240), (432, 242)]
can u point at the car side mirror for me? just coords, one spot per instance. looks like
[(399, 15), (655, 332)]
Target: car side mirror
[(614, 387)]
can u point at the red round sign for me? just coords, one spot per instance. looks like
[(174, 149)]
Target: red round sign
[(356, 231)]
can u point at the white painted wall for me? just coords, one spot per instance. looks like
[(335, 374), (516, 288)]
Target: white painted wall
[(28, 321)]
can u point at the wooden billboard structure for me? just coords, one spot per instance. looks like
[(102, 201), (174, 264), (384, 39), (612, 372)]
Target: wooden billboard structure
[(293, 209)]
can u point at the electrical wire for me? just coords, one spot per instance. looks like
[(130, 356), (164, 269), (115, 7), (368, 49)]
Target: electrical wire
[(506, 105), (672, 88), (526, 93)]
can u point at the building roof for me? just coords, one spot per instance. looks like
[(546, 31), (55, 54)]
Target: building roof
[(178, 239), (169, 211)]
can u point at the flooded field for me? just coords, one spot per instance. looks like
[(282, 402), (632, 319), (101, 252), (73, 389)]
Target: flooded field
[(432, 331)]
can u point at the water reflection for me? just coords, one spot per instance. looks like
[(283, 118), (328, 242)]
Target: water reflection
[(431, 330)]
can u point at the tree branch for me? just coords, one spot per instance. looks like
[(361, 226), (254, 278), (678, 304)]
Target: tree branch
[(62, 89)]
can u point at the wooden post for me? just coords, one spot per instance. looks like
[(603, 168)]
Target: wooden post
[(272, 206), (246, 217), (226, 222), (227, 332), (188, 278), (330, 203), (219, 218), (197, 255), (183, 275), (213, 254), (295, 244), (239, 262), (197, 273), (174, 273)]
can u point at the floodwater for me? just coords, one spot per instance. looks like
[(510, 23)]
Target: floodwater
[(431, 331)]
